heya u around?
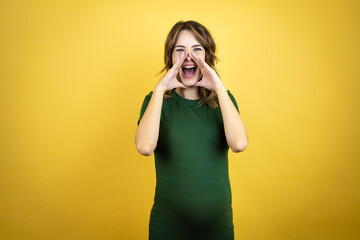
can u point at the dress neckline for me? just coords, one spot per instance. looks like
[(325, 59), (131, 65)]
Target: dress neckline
[(192, 102)]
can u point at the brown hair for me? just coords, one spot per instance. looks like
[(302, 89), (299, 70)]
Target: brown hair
[(203, 36)]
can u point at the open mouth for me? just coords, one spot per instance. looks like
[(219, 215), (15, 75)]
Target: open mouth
[(189, 71)]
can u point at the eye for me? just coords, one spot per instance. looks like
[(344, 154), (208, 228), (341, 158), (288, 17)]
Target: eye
[(197, 48), (178, 50)]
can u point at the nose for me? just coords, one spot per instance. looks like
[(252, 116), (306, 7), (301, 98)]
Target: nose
[(188, 56)]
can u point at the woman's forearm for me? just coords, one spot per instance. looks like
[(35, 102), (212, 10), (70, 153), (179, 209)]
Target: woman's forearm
[(147, 132), (235, 131)]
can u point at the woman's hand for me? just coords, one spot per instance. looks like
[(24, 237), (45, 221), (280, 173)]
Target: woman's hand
[(210, 79), (169, 81)]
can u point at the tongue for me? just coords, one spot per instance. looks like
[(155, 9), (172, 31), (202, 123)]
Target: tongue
[(189, 71)]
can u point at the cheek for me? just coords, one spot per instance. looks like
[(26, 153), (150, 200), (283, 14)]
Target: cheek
[(201, 54)]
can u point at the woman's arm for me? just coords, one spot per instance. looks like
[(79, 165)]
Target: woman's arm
[(147, 132), (235, 131)]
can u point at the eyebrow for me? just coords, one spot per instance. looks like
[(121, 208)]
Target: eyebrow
[(192, 46)]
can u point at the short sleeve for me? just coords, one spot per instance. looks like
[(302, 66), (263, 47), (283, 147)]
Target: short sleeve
[(144, 105), (233, 100)]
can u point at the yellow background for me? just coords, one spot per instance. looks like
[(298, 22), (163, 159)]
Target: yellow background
[(73, 78)]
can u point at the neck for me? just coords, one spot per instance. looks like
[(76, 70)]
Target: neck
[(191, 93)]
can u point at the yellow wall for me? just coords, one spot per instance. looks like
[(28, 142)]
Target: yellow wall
[(73, 78)]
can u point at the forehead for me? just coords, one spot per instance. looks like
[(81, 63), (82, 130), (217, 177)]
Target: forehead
[(186, 37)]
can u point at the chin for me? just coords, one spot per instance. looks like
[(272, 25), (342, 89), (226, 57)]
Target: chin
[(189, 82)]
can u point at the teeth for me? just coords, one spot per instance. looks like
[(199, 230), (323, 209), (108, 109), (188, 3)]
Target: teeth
[(189, 66)]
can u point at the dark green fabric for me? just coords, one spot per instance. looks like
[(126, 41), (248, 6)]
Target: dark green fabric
[(192, 195)]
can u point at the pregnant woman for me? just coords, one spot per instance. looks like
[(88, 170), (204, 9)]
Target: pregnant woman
[(190, 121)]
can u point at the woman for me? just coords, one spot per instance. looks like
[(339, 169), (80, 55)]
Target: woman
[(189, 121)]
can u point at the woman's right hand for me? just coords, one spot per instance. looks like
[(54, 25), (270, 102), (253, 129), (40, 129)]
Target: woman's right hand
[(169, 81)]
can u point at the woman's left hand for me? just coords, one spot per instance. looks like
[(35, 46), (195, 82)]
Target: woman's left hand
[(210, 79)]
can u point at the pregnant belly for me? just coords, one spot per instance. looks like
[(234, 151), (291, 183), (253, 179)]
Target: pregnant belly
[(200, 205)]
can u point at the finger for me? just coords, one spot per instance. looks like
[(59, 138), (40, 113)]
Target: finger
[(200, 61), (179, 84), (178, 59), (196, 59), (181, 60), (199, 84)]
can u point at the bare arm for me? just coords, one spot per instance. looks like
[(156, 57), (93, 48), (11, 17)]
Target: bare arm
[(147, 133), (235, 130)]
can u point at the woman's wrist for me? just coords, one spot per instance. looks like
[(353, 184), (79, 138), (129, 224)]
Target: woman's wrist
[(159, 90), (220, 88)]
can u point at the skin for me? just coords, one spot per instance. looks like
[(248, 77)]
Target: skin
[(147, 132), (186, 38)]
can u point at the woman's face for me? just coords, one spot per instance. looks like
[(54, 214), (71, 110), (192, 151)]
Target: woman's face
[(188, 43)]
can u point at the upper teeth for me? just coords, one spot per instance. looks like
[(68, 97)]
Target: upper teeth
[(189, 66)]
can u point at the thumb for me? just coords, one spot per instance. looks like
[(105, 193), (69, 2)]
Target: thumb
[(199, 84), (179, 84)]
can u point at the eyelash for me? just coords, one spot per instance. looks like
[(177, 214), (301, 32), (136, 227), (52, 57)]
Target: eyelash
[(182, 49)]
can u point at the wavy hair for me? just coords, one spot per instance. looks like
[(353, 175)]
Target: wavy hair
[(204, 37)]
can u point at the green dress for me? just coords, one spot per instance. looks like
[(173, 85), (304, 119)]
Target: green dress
[(192, 195)]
